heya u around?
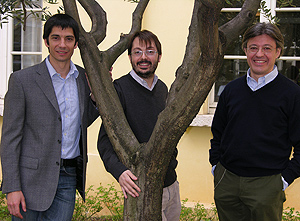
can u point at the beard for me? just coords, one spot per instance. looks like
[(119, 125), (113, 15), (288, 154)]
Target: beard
[(145, 74)]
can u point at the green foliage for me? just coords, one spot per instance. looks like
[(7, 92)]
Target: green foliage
[(16, 10), (285, 3), (112, 199), (85, 210), (104, 197), (197, 213), (4, 213), (289, 214), (267, 13)]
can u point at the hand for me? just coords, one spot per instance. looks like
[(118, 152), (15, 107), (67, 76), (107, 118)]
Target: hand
[(91, 95), (127, 184), (110, 71), (13, 203)]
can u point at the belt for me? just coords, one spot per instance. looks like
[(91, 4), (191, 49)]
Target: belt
[(68, 162)]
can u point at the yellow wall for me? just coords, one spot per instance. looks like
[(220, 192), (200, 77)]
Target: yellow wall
[(169, 20)]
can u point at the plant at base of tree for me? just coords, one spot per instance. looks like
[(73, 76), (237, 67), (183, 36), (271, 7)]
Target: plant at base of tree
[(96, 201), (197, 213), (112, 199), (86, 210)]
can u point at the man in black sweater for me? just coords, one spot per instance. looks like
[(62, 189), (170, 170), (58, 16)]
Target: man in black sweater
[(256, 124), (143, 96)]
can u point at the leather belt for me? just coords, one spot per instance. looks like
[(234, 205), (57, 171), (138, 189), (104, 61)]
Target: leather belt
[(68, 162)]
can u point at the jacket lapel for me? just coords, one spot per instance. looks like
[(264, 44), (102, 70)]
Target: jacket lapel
[(81, 91), (44, 81)]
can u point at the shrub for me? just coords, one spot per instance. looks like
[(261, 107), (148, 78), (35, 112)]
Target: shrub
[(104, 197), (197, 213), (4, 213), (289, 214)]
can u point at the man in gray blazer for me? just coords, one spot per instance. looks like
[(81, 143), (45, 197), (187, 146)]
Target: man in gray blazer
[(47, 110)]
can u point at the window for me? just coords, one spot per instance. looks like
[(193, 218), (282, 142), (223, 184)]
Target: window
[(19, 49), (235, 63)]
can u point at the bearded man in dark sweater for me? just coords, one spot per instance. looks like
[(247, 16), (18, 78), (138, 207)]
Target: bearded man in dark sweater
[(256, 124), (143, 96)]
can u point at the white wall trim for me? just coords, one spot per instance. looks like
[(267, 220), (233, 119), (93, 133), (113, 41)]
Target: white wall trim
[(202, 120)]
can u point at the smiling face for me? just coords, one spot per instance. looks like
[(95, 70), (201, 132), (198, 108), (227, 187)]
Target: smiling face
[(61, 44), (144, 66), (261, 63)]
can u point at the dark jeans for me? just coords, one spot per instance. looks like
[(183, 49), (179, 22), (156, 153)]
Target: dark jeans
[(63, 204)]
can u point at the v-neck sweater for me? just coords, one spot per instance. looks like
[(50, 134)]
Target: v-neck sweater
[(254, 131), (141, 107)]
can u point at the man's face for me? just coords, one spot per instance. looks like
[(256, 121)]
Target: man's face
[(61, 44), (144, 65), (261, 62)]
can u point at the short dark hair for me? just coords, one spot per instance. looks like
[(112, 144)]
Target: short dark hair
[(63, 21), (264, 28), (146, 37)]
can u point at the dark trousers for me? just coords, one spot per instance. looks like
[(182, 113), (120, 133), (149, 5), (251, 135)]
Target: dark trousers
[(248, 198), (64, 201)]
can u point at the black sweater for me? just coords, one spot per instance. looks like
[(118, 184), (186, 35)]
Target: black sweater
[(141, 107), (254, 131)]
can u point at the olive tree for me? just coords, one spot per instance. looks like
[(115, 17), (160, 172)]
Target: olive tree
[(203, 58)]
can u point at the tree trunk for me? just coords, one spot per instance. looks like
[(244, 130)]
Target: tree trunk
[(194, 79)]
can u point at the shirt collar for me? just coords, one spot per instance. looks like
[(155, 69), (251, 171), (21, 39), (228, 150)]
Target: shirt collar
[(52, 71), (142, 82), (267, 78)]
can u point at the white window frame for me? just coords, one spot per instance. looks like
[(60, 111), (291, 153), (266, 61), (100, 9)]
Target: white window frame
[(6, 37), (6, 56), (206, 119)]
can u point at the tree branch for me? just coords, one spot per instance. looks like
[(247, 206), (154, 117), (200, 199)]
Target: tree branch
[(116, 50), (96, 14), (197, 81), (232, 29), (227, 33), (98, 17), (197, 42)]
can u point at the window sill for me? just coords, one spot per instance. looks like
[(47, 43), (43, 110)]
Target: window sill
[(202, 120)]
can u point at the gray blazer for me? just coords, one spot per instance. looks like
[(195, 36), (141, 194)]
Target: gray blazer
[(32, 133)]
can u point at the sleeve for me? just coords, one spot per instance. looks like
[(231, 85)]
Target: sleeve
[(218, 126), (292, 170), (12, 132), (93, 112), (109, 157), (92, 109)]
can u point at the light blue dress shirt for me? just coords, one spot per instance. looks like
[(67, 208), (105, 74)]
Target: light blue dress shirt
[(67, 96), (262, 81), (142, 82)]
